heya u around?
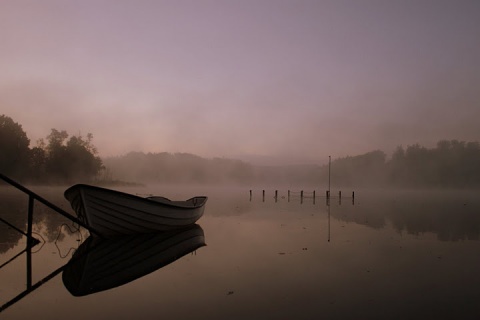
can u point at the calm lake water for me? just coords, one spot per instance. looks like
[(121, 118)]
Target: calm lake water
[(390, 255)]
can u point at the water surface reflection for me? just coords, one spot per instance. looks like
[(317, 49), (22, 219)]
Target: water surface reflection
[(450, 215), (391, 256)]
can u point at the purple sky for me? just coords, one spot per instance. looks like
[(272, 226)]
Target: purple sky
[(288, 81)]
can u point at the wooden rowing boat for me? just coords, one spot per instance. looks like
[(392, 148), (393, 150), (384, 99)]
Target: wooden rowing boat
[(110, 213)]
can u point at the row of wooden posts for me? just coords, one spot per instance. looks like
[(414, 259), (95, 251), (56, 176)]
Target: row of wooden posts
[(304, 194)]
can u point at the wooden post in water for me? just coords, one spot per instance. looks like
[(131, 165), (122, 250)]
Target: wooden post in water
[(263, 195), (276, 195), (250, 195), (353, 198), (301, 197), (313, 196)]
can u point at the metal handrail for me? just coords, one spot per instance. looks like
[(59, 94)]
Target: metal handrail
[(32, 287), (33, 196)]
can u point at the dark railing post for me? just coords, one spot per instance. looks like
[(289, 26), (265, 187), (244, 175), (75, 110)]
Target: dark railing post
[(29, 264), (31, 202), (30, 240)]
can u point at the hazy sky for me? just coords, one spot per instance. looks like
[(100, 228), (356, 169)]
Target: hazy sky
[(294, 81)]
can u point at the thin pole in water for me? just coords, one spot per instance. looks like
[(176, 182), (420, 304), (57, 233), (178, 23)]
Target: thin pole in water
[(329, 165)]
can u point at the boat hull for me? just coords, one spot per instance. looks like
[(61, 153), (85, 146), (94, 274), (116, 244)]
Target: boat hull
[(111, 213)]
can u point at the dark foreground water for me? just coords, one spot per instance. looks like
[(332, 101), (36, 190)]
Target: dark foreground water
[(391, 255)]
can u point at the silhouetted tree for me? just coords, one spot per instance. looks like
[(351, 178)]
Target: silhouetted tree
[(61, 159), (82, 157), (14, 148), (57, 163), (38, 160), (70, 159)]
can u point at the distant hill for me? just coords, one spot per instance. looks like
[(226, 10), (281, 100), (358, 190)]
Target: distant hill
[(450, 164), (188, 168)]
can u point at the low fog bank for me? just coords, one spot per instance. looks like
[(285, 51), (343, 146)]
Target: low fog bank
[(451, 164)]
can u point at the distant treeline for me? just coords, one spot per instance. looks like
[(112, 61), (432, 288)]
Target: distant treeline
[(61, 159), (72, 159), (450, 164)]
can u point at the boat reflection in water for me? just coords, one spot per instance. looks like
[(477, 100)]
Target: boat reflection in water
[(102, 264)]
